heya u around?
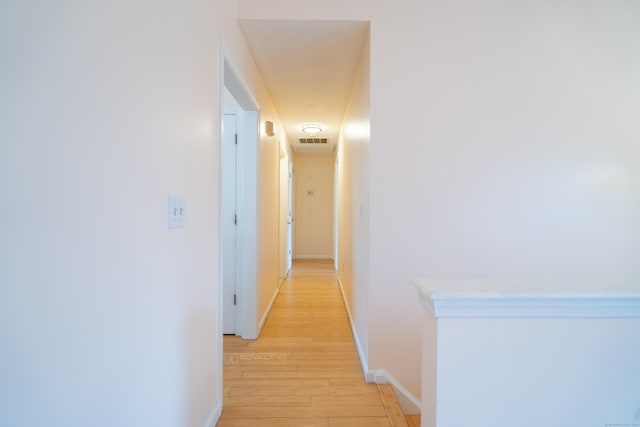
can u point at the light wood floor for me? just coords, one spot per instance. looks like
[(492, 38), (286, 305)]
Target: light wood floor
[(304, 368)]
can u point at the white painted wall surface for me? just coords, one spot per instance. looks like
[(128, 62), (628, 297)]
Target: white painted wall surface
[(538, 372), (106, 316), (513, 354), (504, 143), (353, 205), (313, 215), (268, 196)]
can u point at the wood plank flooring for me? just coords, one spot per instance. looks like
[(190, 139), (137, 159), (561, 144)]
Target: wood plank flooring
[(304, 368)]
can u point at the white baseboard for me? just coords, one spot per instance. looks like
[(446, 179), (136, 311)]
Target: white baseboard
[(361, 355), (376, 376), (409, 403), (215, 415), (268, 310), (327, 257)]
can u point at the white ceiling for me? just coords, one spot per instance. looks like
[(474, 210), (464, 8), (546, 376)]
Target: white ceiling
[(309, 67)]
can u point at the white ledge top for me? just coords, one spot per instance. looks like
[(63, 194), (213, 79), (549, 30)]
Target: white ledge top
[(502, 298)]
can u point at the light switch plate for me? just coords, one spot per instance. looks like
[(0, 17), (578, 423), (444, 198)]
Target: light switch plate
[(176, 211)]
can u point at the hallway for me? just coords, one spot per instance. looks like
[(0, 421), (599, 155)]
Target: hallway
[(304, 368)]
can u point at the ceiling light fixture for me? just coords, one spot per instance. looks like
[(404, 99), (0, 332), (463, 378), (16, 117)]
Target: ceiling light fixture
[(311, 129)]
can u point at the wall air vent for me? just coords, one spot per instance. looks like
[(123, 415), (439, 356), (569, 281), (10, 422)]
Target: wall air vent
[(313, 140)]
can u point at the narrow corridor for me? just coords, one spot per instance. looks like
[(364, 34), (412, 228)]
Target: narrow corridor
[(304, 368)]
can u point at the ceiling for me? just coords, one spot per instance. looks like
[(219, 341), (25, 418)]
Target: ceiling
[(309, 67)]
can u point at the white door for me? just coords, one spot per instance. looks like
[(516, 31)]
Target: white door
[(229, 220), (283, 217), (336, 212), (290, 219)]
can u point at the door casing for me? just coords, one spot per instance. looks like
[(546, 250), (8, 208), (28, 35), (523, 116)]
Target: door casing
[(248, 115)]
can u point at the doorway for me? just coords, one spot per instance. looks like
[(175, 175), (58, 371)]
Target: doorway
[(285, 216), (238, 205)]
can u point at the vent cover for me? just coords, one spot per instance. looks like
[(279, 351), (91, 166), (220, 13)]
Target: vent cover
[(313, 140)]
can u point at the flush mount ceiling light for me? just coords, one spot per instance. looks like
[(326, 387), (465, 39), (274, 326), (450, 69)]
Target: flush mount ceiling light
[(311, 129)]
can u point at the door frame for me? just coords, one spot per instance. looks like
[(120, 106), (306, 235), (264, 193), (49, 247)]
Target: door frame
[(247, 197)]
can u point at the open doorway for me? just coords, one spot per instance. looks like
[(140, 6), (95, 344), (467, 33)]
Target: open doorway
[(238, 205), (285, 216)]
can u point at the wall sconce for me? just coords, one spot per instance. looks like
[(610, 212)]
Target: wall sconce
[(268, 128)]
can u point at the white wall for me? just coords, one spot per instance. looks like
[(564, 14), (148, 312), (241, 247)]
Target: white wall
[(268, 206), (538, 372), (529, 354), (106, 316), (506, 145), (353, 204), (313, 215)]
